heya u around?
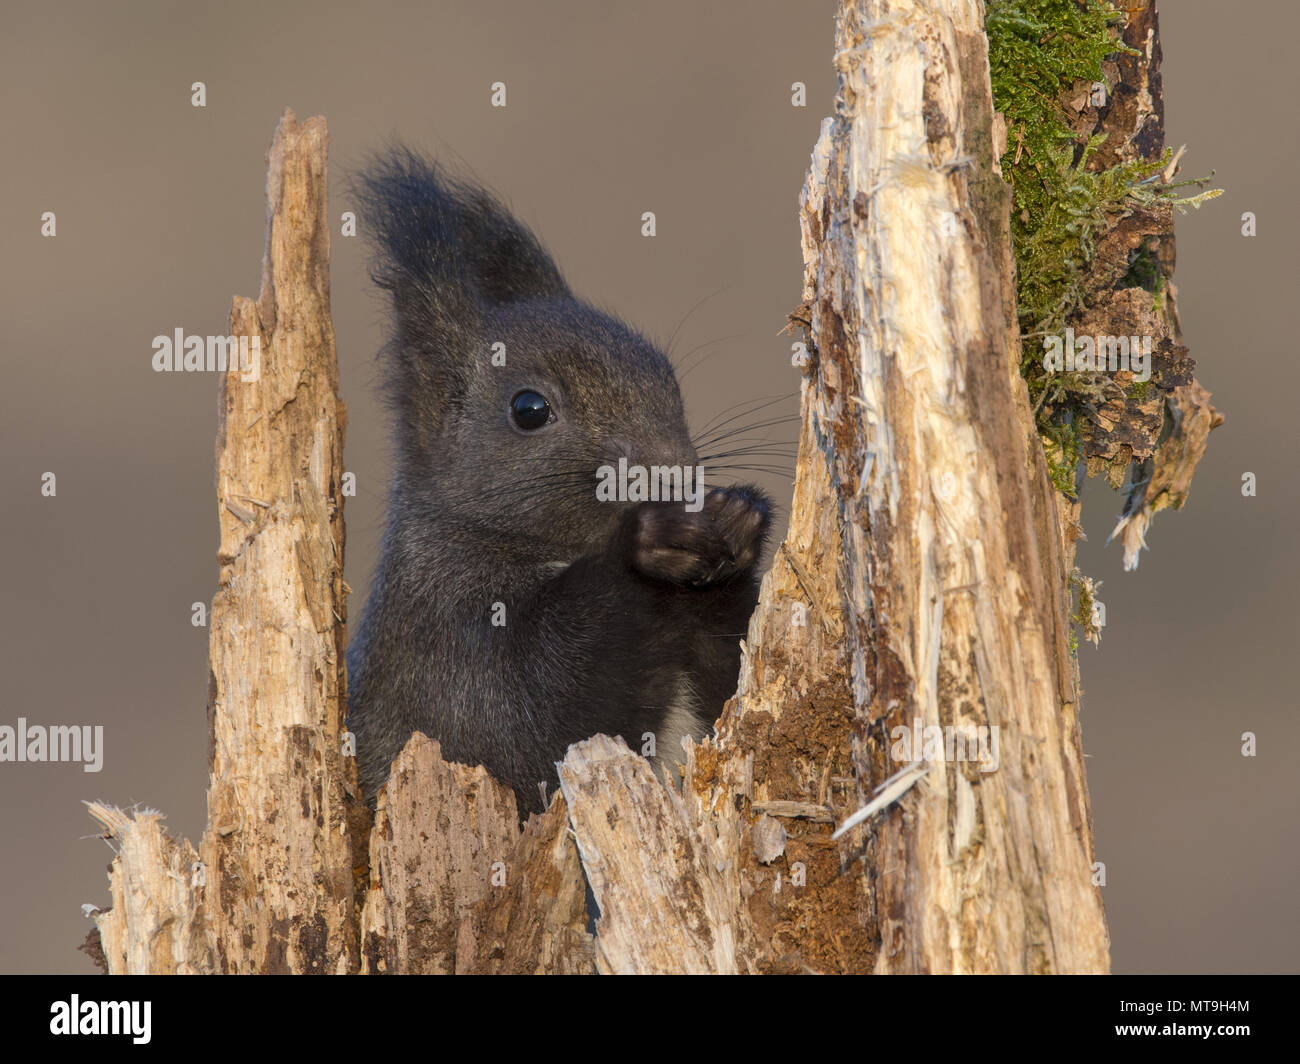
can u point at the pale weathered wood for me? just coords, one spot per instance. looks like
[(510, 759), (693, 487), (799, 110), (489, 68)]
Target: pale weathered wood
[(537, 923), (456, 887), (275, 887), (155, 924), (924, 578), (952, 584), (281, 794), (666, 901)]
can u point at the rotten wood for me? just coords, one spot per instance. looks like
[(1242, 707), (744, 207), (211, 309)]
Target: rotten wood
[(922, 582), (271, 888), (1153, 442), (456, 887), (925, 526)]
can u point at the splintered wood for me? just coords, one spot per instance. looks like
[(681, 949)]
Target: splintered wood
[(922, 586), (951, 575), (271, 889)]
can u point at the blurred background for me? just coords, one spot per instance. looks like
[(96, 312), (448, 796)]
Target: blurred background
[(682, 108)]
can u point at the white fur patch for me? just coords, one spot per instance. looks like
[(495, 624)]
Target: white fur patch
[(680, 720)]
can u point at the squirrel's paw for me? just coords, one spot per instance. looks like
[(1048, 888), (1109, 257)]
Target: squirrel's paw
[(710, 546)]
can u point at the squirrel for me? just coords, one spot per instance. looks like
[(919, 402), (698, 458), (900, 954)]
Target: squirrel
[(521, 601)]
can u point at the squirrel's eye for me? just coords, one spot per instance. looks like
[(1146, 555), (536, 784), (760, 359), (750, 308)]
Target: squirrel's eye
[(530, 411)]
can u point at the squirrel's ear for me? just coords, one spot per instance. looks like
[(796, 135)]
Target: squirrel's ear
[(447, 251), (442, 240)]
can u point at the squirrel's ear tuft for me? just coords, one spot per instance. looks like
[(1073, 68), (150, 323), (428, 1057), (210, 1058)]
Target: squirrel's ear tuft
[(447, 251), (440, 237)]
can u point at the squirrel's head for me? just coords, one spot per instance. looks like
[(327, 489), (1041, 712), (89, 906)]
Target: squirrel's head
[(510, 393)]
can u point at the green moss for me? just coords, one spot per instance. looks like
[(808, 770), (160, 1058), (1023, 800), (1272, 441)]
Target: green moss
[(1144, 270), (1063, 449), (1073, 585), (1040, 51), (1083, 591)]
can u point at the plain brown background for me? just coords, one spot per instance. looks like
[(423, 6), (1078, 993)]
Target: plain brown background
[(677, 107)]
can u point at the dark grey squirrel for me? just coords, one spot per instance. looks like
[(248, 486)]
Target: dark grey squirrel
[(515, 608)]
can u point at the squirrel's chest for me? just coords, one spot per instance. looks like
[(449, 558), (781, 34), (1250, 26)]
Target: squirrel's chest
[(682, 716)]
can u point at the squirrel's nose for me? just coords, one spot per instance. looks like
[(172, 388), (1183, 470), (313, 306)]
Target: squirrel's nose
[(653, 453)]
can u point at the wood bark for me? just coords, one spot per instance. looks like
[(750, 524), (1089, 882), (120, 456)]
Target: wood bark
[(1160, 468), (271, 888), (923, 583), (926, 542), (456, 887)]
